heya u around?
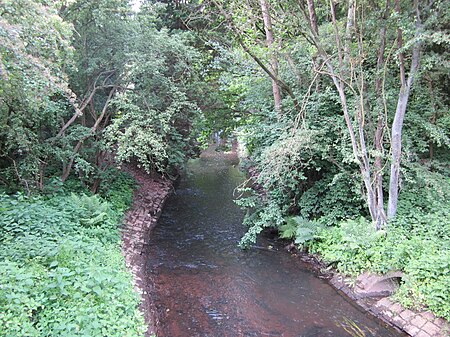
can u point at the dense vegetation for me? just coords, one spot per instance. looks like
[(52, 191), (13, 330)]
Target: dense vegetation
[(344, 115), (62, 272), (341, 106)]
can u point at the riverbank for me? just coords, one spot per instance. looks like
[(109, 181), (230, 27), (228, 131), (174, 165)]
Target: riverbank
[(142, 217), (204, 284), (415, 323), (148, 201)]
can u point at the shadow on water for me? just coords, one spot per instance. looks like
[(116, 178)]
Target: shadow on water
[(204, 285)]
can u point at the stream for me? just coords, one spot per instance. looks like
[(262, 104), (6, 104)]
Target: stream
[(204, 285)]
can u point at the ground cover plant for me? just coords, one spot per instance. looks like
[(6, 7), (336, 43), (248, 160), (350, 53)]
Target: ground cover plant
[(341, 107), (61, 268)]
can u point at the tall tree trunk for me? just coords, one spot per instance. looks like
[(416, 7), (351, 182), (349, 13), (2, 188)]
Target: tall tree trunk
[(313, 17), (397, 125), (350, 26), (357, 138), (281, 84), (378, 165), (273, 59)]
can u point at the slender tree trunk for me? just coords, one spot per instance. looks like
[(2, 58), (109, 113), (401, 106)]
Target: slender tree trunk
[(358, 142), (315, 32), (84, 104), (102, 166), (294, 69), (273, 59), (281, 84), (397, 125), (313, 17), (379, 149), (349, 29)]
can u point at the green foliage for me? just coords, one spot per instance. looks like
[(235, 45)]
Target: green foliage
[(307, 175), (300, 230), (35, 51), (122, 82), (332, 199), (264, 217), (298, 172), (118, 189), (417, 242), (350, 245), (61, 269)]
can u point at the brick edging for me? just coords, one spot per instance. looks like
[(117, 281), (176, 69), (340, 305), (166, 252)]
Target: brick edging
[(414, 323)]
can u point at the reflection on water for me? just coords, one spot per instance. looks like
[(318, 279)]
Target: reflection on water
[(204, 285)]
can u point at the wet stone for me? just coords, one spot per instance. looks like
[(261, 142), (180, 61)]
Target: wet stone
[(388, 313), (397, 308), (384, 303), (399, 321), (412, 330), (422, 334)]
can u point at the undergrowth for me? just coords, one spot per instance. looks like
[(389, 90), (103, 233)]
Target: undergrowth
[(417, 243), (61, 268), (422, 252)]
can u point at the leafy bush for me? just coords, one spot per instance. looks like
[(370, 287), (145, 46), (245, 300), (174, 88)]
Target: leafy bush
[(61, 271), (350, 245), (260, 218)]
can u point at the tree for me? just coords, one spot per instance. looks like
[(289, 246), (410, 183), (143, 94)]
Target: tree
[(273, 59), (34, 93), (358, 61)]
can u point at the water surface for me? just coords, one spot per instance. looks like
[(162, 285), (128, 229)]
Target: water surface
[(205, 286)]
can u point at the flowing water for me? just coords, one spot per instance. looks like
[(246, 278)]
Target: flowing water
[(204, 285)]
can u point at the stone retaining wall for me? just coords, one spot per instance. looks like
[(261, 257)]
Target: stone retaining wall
[(414, 323), (148, 201)]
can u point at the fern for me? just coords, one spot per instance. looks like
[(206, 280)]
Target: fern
[(300, 229)]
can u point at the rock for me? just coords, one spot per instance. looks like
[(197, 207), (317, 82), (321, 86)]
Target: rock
[(290, 247), (373, 285), (418, 321)]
